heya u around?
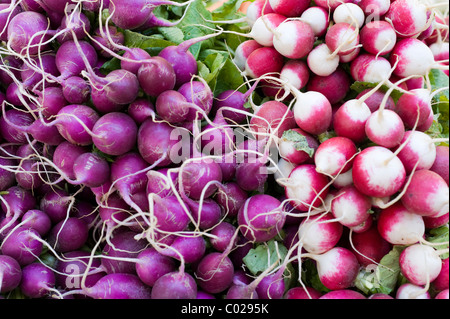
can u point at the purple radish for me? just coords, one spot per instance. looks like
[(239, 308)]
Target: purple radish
[(151, 265), (68, 235), (175, 285), (115, 133), (38, 281), (261, 218), (10, 273), (214, 272), (23, 244)]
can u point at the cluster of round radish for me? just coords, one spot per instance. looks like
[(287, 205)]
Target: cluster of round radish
[(57, 106), (78, 153), (305, 49), (87, 161), (334, 32)]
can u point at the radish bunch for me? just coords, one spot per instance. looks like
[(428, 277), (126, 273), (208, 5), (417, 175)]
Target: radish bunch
[(147, 155)]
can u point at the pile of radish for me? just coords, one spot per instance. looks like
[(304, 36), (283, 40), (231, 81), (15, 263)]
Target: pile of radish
[(295, 150)]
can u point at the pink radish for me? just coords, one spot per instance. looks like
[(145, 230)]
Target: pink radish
[(350, 207), (295, 72), (441, 282), (398, 226), (322, 61), (378, 172), (272, 117), (374, 100), (337, 268), (306, 188), (343, 294), (378, 37), (284, 168), (289, 8), (318, 18), (320, 233), (312, 110), (262, 61), (343, 179), (257, 9), (420, 264), (297, 146), (335, 86), (411, 291), (408, 17), (302, 293), (435, 222), (294, 39), (369, 247), (417, 150), (351, 56), (263, 28), (440, 51), (331, 4), (242, 52), (427, 194), (364, 226), (342, 38), (414, 58), (444, 294), (375, 8), (335, 156), (441, 163), (414, 107), (415, 83), (350, 119), (350, 13), (385, 127), (370, 68)]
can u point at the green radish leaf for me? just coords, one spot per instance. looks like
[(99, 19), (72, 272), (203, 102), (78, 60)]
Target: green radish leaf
[(440, 103), (387, 273), (264, 255), (229, 10), (440, 235), (139, 40), (310, 276), (299, 140)]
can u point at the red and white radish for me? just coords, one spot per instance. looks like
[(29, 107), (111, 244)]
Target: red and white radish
[(294, 39), (409, 18), (289, 8), (342, 38), (337, 268), (399, 226), (417, 151), (378, 37), (306, 188), (350, 207), (297, 146), (322, 61), (335, 156), (378, 172), (427, 194), (349, 13), (318, 18), (420, 264), (320, 233)]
